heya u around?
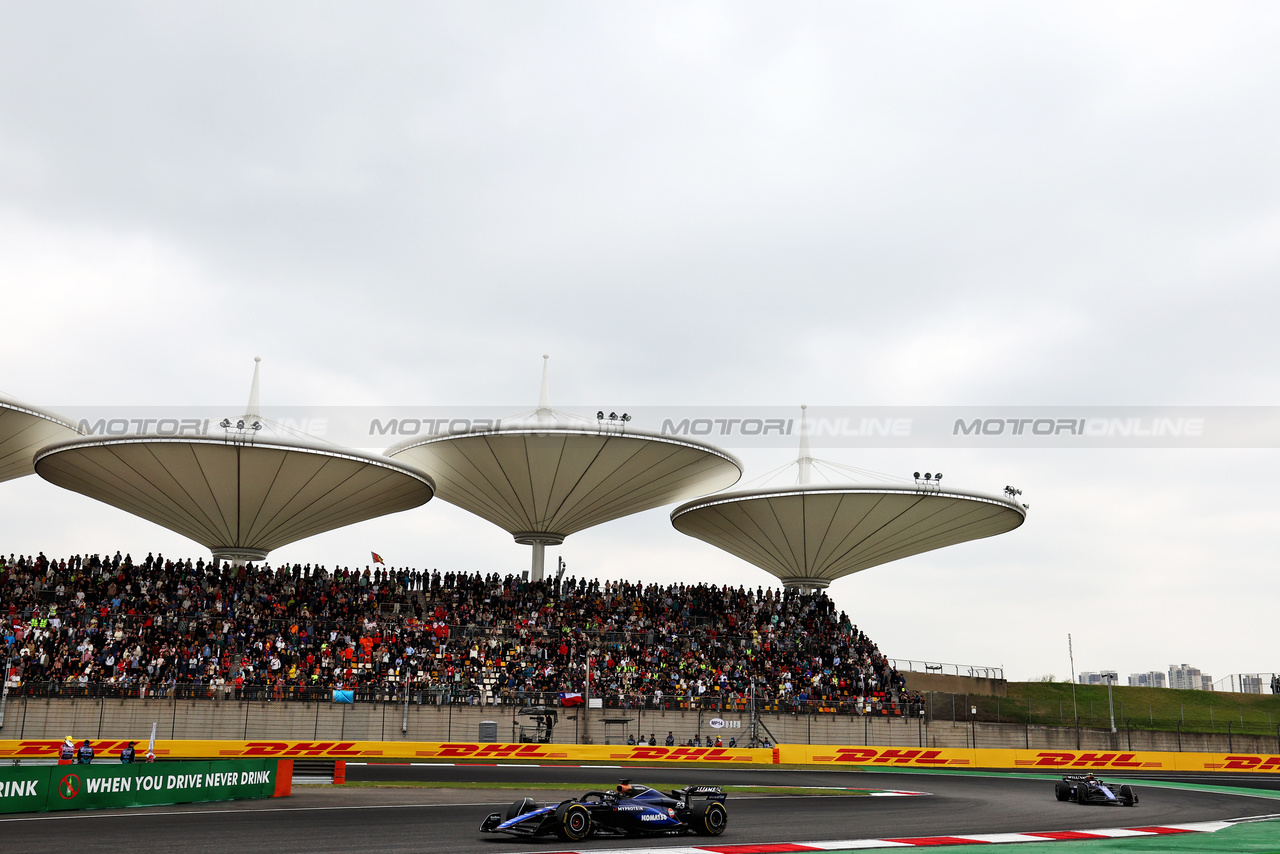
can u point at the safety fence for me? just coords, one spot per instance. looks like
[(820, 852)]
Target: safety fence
[(942, 668), (1229, 715), (423, 693)]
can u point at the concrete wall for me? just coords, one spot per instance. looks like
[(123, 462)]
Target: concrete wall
[(293, 721), (956, 684)]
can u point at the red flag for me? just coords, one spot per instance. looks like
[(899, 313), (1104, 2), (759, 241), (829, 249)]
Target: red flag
[(377, 558)]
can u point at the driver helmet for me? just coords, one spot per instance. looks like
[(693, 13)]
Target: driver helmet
[(624, 788)]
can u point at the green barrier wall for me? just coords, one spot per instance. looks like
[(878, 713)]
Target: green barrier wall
[(24, 789), (82, 787)]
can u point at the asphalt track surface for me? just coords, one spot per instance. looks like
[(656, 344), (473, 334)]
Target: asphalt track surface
[(336, 819)]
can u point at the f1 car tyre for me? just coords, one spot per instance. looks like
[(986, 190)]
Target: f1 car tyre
[(1128, 796), (572, 822), (710, 819), (1062, 791), (520, 807)]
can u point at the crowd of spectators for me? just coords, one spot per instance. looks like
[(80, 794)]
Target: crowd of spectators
[(161, 626)]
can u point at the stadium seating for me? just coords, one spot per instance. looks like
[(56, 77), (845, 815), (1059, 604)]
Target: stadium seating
[(95, 626)]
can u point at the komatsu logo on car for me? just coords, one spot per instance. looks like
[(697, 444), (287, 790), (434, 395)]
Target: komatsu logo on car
[(652, 817)]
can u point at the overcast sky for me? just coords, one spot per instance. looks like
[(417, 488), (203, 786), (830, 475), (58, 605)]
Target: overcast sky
[(686, 204)]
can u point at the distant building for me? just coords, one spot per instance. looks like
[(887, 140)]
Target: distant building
[(1250, 683), (1150, 679), (1088, 677), (1188, 678)]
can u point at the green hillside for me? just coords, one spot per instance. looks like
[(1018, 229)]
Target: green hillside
[(1051, 704)]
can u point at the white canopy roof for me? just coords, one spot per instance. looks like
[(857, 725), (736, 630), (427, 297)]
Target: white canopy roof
[(812, 534), (542, 483), (24, 430), (239, 497)]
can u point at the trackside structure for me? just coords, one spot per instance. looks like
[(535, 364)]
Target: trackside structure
[(85, 787), (810, 534), (551, 475)]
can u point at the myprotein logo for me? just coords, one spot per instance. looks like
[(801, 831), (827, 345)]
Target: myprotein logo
[(890, 756), (1071, 759)]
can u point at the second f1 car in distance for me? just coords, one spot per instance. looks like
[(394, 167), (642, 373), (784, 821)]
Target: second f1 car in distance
[(1088, 789), (632, 810)]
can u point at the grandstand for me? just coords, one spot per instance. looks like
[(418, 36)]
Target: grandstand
[(112, 626)]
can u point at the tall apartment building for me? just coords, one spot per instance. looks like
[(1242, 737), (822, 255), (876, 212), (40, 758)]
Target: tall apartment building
[(1088, 677), (1188, 678), (1251, 683), (1150, 679)]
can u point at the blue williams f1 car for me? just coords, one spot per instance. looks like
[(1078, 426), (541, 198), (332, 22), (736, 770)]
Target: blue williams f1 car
[(632, 810), (1088, 789)]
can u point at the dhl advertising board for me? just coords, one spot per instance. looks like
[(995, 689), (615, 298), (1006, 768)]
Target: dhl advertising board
[(86, 787), (402, 750), (1048, 761)]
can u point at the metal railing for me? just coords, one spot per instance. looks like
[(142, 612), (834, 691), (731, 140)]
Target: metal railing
[(437, 694), (911, 665), (1249, 683)]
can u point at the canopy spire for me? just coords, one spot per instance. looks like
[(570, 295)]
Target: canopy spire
[(252, 411), (806, 458), (544, 412)]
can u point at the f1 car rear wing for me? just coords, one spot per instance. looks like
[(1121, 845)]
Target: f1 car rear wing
[(710, 793)]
